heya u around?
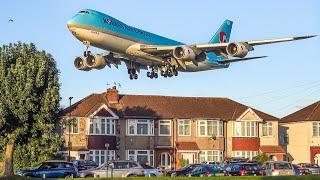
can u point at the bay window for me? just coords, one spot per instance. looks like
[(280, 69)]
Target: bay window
[(210, 156), (141, 156), (184, 127), (101, 156), (164, 128), (142, 127), (245, 129), (102, 126), (245, 154), (210, 128)]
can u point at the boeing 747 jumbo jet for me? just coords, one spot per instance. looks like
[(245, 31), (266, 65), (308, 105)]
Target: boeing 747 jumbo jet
[(140, 49)]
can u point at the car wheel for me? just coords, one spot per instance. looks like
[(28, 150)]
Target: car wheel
[(132, 175), (68, 176), (152, 175)]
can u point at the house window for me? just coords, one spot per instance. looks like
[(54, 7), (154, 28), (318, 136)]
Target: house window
[(102, 126), (245, 129), (165, 160), (316, 129), (210, 128), (184, 127), (245, 154), (267, 129), (164, 128), (142, 127), (141, 156), (210, 156), (286, 137), (74, 126), (101, 156)]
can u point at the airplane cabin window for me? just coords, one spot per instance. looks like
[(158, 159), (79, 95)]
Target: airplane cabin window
[(86, 12)]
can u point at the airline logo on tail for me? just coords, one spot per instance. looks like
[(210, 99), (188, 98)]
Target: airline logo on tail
[(223, 37)]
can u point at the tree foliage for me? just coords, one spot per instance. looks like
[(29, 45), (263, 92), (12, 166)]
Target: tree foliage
[(29, 103), (261, 158)]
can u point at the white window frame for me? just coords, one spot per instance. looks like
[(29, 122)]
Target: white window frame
[(238, 126), (267, 127), (182, 122), (245, 154), (316, 126), (219, 125), (135, 122), (101, 153), (71, 126), (96, 124), (216, 154), (133, 155), (164, 123)]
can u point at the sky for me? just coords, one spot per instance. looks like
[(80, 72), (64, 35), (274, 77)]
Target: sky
[(284, 82)]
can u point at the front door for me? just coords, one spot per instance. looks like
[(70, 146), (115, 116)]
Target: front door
[(189, 157)]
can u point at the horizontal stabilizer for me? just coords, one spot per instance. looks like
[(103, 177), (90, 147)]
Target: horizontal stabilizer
[(240, 59)]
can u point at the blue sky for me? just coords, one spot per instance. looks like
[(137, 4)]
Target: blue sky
[(280, 84)]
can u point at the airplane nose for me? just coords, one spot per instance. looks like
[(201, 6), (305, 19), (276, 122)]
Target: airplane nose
[(69, 23)]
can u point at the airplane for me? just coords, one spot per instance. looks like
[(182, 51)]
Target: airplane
[(142, 50)]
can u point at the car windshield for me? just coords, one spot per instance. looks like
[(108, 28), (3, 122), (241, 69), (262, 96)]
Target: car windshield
[(282, 166), (252, 167), (312, 166), (147, 166), (185, 167), (87, 163)]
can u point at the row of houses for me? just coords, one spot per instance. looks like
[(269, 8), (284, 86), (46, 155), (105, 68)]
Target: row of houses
[(163, 130)]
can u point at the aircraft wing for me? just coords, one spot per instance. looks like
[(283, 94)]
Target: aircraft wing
[(218, 46)]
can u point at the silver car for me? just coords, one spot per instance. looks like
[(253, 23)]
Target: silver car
[(150, 171), (115, 169), (278, 168)]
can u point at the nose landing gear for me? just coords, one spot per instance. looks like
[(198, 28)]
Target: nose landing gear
[(132, 74)]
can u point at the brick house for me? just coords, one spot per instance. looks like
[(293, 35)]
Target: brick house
[(161, 130), (300, 134)]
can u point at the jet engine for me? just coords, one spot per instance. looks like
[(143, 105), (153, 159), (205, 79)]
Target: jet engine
[(183, 53), (237, 49), (80, 64), (96, 61)]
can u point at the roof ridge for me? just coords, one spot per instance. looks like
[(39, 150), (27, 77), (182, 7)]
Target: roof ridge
[(205, 97)]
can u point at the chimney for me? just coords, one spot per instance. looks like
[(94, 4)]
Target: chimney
[(112, 95)]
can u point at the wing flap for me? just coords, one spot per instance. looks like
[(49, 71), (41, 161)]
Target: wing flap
[(239, 59)]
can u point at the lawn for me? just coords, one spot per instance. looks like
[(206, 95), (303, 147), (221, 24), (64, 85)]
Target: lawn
[(191, 178)]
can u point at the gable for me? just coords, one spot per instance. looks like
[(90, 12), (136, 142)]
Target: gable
[(249, 115), (104, 111)]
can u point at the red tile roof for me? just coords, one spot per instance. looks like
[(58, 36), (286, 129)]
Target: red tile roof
[(187, 146), (309, 113), (165, 107), (272, 149)]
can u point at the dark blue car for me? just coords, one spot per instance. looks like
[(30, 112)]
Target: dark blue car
[(51, 169)]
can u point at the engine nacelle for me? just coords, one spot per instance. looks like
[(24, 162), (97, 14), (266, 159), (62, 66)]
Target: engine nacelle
[(183, 53), (237, 49), (96, 61), (80, 64)]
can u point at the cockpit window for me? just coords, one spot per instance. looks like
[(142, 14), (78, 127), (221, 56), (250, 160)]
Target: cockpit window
[(83, 11)]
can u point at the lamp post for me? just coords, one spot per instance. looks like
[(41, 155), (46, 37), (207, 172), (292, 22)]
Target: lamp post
[(69, 142), (107, 145)]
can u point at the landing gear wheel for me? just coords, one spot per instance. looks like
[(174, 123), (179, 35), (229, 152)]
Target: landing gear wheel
[(175, 72), (156, 75), (135, 76), (148, 74), (131, 77)]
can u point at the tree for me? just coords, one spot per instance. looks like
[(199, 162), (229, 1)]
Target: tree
[(29, 100), (261, 158)]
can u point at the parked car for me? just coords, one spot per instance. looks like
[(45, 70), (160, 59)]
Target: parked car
[(184, 171), (151, 171), (125, 168), (207, 170), (84, 164), (313, 168), (51, 169), (278, 168), (300, 170), (243, 169)]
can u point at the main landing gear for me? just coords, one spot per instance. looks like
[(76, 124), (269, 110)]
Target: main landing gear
[(165, 71), (132, 74)]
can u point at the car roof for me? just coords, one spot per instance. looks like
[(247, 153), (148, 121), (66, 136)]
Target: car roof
[(60, 161), (278, 162)]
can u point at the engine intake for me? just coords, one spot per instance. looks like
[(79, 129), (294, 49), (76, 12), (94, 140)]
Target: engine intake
[(237, 49), (183, 53), (96, 61), (80, 64)]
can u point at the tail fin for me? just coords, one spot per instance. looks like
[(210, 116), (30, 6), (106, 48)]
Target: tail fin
[(223, 33)]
